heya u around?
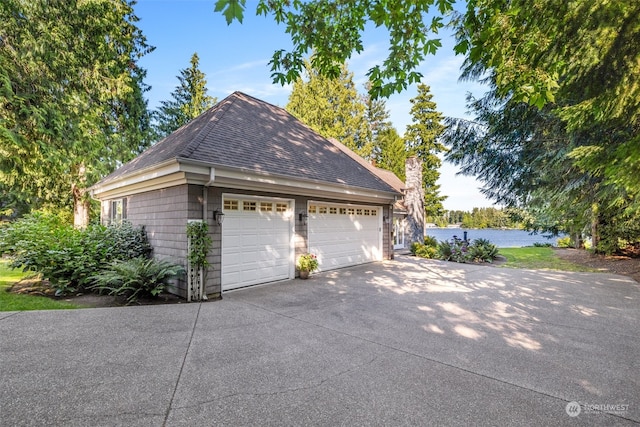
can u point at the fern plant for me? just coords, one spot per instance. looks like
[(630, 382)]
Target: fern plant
[(135, 278)]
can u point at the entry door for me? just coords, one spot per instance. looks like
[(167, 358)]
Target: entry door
[(398, 232), (256, 241)]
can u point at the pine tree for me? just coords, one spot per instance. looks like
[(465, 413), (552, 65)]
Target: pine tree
[(392, 153), (422, 141), (333, 108), (71, 92), (188, 100)]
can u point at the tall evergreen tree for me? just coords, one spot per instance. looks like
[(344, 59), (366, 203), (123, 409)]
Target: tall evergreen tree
[(377, 114), (71, 92), (333, 108), (188, 100), (388, 147), (574, 159), (422, 140), (391, 152)]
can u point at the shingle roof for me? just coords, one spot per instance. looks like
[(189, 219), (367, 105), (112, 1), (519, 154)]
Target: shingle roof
[(391, 179), (251, 135)]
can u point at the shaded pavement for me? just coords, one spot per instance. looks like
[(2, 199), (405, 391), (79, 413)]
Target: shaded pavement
[(404, 342)]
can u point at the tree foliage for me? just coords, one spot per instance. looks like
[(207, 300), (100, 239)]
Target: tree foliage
[(558, 132), (392, 153), (422, 140), (388, 147), (71, 93), (189, 100), (333, 31), (333, 108)]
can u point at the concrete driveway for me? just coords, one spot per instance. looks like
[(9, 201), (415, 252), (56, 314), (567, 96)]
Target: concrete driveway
[(404, 342)]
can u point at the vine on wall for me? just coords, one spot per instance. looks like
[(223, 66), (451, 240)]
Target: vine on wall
[(198, 249), (199, 243)]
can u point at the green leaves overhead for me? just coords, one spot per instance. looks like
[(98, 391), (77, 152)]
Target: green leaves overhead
[(332, 30), (231, 9)]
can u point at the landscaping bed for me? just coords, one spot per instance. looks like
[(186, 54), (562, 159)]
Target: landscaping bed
[(627, 263)]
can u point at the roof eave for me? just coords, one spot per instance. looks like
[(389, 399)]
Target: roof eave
[(179, 171)]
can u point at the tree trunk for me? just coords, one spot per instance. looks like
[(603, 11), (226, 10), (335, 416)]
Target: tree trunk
[(595, 229), (81, 207)]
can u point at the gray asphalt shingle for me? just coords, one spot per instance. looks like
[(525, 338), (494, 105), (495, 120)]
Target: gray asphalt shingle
[(251, 135)]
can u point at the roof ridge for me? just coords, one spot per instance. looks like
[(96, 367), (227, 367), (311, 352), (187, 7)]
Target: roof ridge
[(222, 107)]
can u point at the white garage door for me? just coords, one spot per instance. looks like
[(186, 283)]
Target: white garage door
[(256, 241), (344, 235)]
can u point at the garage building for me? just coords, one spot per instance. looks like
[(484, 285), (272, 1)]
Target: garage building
[(269, 189)]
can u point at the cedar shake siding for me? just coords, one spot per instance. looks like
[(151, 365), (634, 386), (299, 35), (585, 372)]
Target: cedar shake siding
[(164, 215)]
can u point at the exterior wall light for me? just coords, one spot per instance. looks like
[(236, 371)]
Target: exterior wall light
[(302, 216), (218, 217)]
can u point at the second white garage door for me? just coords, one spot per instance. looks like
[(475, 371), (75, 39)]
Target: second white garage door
[(256, 241), (344, 235)]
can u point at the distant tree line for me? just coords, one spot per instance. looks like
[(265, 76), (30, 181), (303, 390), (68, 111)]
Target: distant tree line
[(478, 218)]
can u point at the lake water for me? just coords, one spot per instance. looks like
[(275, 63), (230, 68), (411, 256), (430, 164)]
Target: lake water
[(500, 238)]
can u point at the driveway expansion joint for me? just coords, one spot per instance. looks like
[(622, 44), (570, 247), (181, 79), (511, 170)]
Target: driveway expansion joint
[(184, 360)]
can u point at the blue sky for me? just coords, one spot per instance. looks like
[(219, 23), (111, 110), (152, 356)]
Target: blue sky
[(236, 57)]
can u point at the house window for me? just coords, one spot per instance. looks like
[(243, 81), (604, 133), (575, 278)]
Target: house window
[(322, 210), (374, 212), (230, 205), (282, 207), (266, 207), (312, 209), (367, 212), (248, 206), (358, 211), (333, 211), (117, 211), (351, 211), (343, 211)]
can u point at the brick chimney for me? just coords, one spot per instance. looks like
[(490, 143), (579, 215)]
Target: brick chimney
[(414, 199)]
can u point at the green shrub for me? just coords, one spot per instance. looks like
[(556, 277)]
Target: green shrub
[(564, 242), (542, 245), (135, 278), (427, 249), (456, 250), (482, 250), (65, 256), (444, 250), (431, 241), (459, 250)]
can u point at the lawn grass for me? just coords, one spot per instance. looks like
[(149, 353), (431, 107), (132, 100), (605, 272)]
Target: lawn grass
[(15, 302), (538, 258)]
